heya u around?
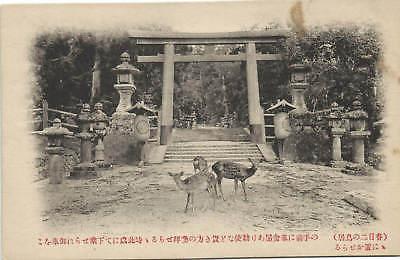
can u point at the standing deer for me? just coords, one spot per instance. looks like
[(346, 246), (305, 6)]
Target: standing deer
[(199, 182), (235, 171)]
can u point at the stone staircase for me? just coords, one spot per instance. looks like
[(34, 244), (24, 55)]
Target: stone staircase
[(213, 144)]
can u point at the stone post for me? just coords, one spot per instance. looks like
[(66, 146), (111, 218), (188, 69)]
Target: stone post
[(358, 145), (100, 121), (298, 85), (358, 133), (256, 122), (336, 124), (167, 95), (85, 168), (55, 150), (337, 134), (125, 82)]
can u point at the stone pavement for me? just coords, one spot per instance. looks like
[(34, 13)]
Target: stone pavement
[(293, 197)]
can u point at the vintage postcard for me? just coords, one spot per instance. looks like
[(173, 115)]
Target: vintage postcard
[(200, 129)]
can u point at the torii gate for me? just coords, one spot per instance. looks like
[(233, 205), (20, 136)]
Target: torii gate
[(250, 39)]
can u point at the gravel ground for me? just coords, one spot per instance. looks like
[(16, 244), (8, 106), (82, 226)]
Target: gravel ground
[(293, 197)]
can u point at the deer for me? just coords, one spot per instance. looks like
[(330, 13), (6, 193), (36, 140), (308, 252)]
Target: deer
[(236, 171), (203, 180), (199, 164)]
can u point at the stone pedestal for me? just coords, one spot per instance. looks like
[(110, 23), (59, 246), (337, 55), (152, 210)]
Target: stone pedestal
[(56, 164), (336, 151), (125, 92), (99, 157), (85, 169), (358, 138), (281, 157), (297, 91)]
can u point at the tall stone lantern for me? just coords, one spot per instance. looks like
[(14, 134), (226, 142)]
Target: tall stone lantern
[(85, 169), (125, 73), (100, 122), (298, 85), (337, 130)]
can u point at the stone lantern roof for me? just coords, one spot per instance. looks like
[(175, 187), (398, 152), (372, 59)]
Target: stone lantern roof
[(56, 129), (125, 66), (357, 112), (299, 67), (98, 115)]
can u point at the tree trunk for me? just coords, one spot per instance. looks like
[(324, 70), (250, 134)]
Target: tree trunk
[(95, 90)]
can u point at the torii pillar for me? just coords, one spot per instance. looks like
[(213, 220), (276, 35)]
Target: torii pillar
[(167, 94), (253, 95)]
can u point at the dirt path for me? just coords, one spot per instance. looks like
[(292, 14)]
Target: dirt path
[(297, 197)]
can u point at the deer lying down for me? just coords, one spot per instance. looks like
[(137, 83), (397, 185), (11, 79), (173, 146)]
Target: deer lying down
[(236, 171), (199, 182)]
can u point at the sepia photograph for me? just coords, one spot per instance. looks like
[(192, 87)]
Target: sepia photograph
[(200, 129)]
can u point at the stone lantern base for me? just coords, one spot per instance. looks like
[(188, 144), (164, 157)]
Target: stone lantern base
[(337, 161), (56, 164), (99, 156), (358, 138)]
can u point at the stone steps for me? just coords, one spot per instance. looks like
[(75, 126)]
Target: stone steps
[(212, 151), (213, 144)]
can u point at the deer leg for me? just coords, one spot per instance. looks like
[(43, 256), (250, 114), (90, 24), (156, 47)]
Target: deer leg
[(236, 186), (244, 190), (187, 202), (192, 203), (220, 188), (214, 193)]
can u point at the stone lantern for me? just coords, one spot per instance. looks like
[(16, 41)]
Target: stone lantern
[(282, 129), (336, 125), (100, 122), (142, 129), (125, 73), (298, 85), (55, 150), (85, 168)]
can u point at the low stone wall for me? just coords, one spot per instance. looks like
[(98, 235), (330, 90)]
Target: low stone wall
[(121, 149), (120, 144), (308, 146)]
